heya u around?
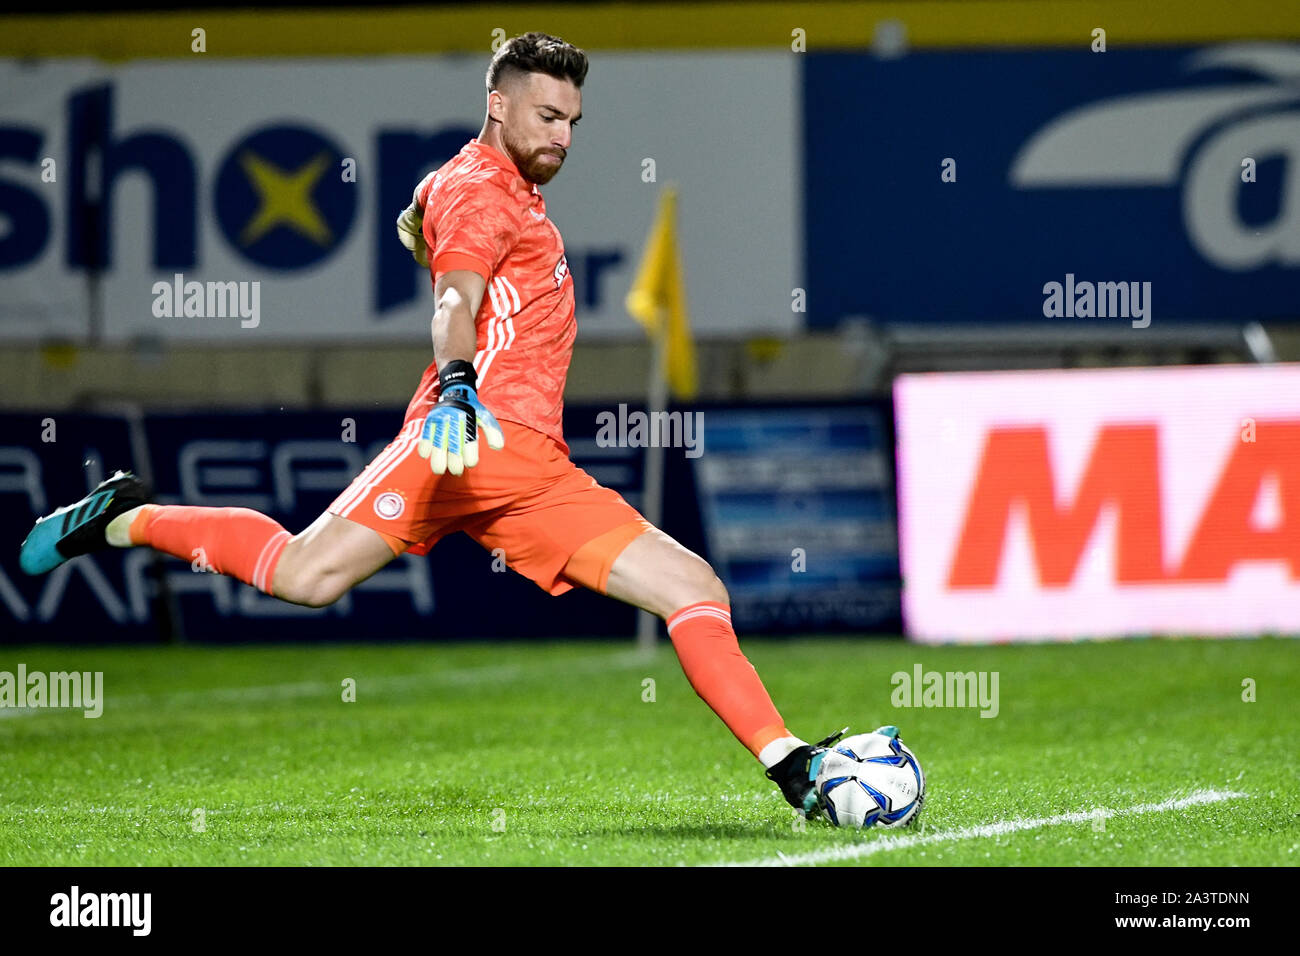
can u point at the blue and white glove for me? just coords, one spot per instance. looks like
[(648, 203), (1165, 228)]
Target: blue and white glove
[(449, 438)]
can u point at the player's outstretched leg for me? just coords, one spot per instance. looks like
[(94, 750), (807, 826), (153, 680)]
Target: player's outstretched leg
[(314, 568), (656, 573)]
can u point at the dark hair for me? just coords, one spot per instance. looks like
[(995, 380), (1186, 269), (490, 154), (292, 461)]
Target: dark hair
[(537, 53)]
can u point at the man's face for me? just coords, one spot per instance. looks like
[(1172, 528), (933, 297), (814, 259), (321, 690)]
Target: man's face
[(537, 118)]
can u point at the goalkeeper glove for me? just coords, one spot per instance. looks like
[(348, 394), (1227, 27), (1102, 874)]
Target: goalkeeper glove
[(449, 438), (410, 226)]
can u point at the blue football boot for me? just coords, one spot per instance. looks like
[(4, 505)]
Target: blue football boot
[(79, 528)]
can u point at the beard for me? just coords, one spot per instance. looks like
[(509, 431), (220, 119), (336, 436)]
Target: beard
[(534, 165)]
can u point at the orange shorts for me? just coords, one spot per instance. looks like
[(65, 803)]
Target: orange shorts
[(528, 499)]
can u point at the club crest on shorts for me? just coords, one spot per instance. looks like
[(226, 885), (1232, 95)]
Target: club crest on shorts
[(390, 505), (561, 271)]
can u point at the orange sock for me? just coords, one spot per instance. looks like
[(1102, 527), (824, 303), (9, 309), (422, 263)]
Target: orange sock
[(722, 676), (240, 542)]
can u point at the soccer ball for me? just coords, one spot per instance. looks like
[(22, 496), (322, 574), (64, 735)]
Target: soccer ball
[(870, 779)]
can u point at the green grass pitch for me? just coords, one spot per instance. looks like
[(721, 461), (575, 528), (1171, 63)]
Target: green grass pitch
[(552, 753)]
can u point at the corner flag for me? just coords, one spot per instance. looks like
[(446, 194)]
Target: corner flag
[(657, 298)]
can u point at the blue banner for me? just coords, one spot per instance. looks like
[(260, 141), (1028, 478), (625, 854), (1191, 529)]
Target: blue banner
[(959, 186), (798, 507), (289, 465)]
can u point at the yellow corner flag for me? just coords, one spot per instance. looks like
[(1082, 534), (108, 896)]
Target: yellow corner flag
[(657, 298)]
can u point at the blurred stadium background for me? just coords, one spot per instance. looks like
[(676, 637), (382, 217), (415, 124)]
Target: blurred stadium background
[(868, 193)]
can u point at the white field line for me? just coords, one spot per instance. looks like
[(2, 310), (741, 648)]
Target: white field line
[(458, 677), (1001, 828)]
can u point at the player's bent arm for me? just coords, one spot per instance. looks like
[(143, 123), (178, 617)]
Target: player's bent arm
[(458, 294), (450, 435)]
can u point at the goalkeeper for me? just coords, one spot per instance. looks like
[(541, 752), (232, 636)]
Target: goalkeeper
[(503, 333)]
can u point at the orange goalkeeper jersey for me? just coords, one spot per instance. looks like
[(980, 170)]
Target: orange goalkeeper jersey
[(481, 215)]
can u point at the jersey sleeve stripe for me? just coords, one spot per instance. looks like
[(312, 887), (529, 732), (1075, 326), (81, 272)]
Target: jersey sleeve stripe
[(496, 333), (496, 314), (508, 322), (482, 373), (505, 283), (509, 330)]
